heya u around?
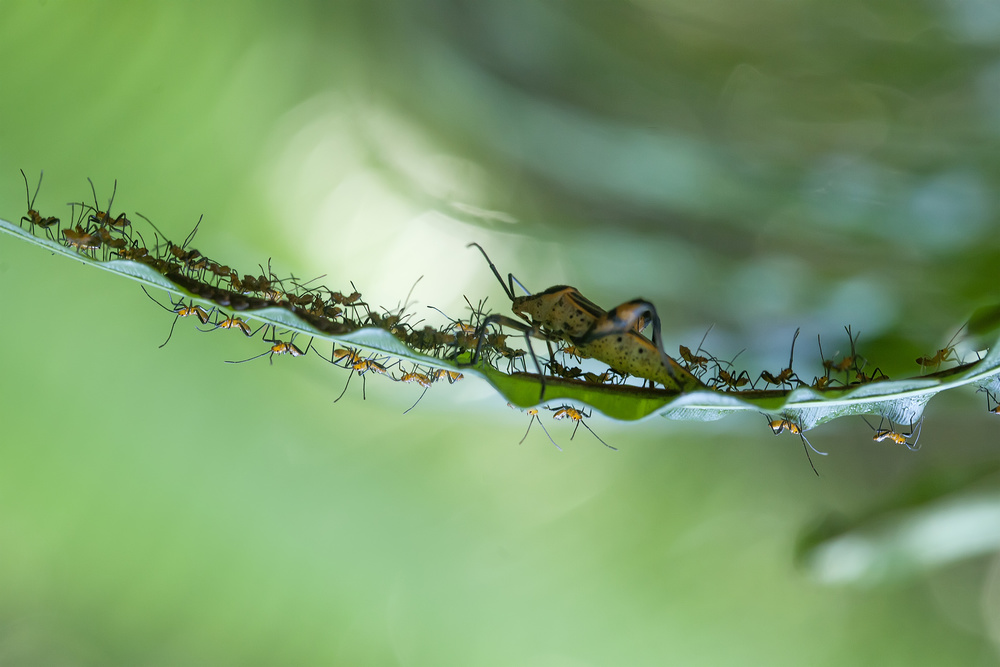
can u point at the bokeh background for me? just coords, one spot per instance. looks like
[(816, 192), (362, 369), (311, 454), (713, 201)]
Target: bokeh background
[(755, 166)]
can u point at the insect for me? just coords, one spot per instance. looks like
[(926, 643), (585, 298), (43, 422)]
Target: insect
[(726, 378), (81, 239), (844, 364), (534, 417), (787, 374), (784, 424), (180, 310), (613, 337), (451, 376), (696, 364), (876, 376), (357, 365), (421, 379), (103, 218), (279, 347), (233, 322), (947, 353), (569, 412), (899, 438), (33, 216)]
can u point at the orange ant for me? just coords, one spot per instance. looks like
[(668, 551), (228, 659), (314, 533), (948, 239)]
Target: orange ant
[(33, 216), (421, 379), (842, 366), (81, 239), (233, 322), (451, 376), (603, 378), (180, 310), (947, 353), (787, 374), (876, 376), (102, 218), (694, 362), (783, 424), (899, 438), (726, 379), (534, 417), (562, 313), (279, 347), (569, 412), (358, 365)]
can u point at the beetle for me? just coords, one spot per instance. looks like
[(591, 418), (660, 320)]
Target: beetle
[(613, 337)]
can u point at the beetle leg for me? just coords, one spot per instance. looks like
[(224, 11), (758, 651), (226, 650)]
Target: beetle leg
[(626, 318), (527, 330)]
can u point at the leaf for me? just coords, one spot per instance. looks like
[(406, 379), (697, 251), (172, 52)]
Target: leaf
[(901, 401)]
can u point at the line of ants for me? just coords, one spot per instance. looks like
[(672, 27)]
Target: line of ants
[(559, 316)]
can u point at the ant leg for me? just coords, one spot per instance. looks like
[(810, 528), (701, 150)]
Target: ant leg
[(345, 386), (418, 400), (172, 324)]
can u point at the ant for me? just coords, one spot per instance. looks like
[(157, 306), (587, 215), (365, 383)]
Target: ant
[(421, 379), (876, 376), (694, 362), (33, 216), (180, 310), (451, 376), (81, 239), (562, 313), (102, 218), (569, 412), (842, 366), (726, 379), (787, 374), (279, 347), (534, 417), (233, 322), (947, 353), (358, 365), (899, 438), (783, 424)]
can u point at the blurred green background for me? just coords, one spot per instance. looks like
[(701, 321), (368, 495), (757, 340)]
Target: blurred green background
[(758, 166)]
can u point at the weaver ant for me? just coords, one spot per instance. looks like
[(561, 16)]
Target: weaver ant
[(451, 376), (726, 379), (947, 353), (421, 379), (787, 374), (569, 412), (562, 313), (784, 424), (81, 239), (180, 310), (697, 364), (899, 438), (534, 417), (33, 216), (233, 322), (357, 365), (279, 347)]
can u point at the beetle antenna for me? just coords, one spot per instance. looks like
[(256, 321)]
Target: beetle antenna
[(507, 289)]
